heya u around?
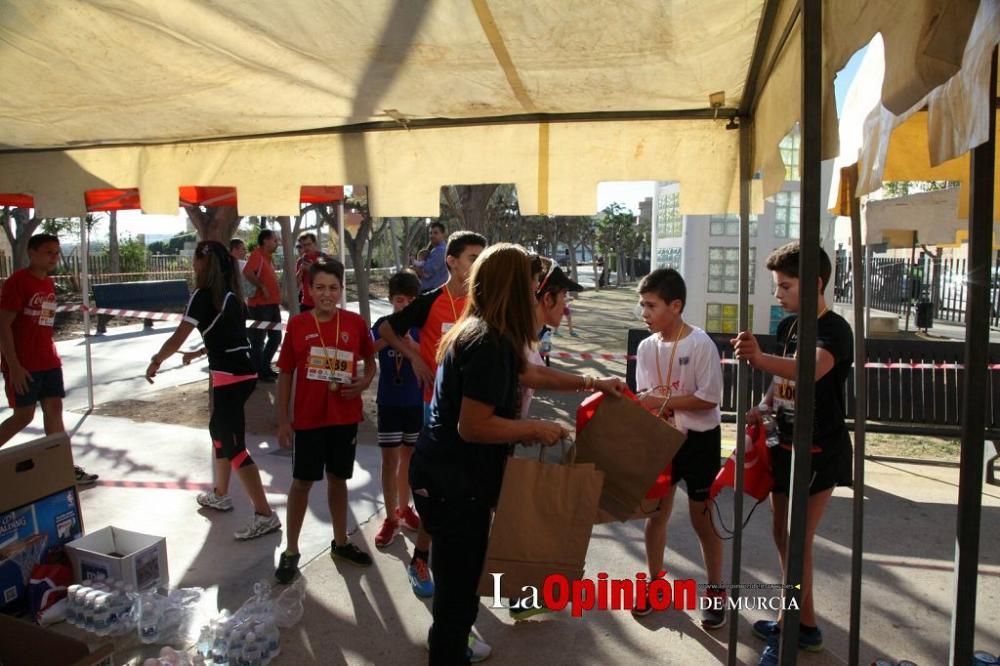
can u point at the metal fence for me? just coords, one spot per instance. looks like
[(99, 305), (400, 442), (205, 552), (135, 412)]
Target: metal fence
[(896, 285), (131, 269)]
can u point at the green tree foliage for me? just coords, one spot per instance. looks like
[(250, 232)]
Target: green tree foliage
[(133, 256)]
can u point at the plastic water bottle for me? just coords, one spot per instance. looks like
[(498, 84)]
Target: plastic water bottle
[(251, 651), (771, 429), (149, 619), (71, 603), (270, 634), (205, 640), (220, 645), (90, 603), (236, 648), (101, 615), (80, 605)]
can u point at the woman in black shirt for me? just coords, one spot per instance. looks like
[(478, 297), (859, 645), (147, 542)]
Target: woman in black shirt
[(216, 309), (458, 462)]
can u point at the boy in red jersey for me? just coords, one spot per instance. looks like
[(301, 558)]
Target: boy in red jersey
[(32, 370), (322, 347)]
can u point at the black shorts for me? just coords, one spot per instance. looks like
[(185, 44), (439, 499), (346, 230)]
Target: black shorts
[(41, 385), (399, 424), (330, 448), (830, 467), (698, 462)]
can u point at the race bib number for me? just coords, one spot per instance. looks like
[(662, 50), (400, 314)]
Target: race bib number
[(783, 405), (48, 314), (330, 365), (446, 326)]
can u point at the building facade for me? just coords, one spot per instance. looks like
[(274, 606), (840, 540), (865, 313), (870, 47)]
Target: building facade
[(705, 250)]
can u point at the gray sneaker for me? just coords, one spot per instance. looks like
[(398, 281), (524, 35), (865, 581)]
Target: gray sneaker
[(210, 500), (258, 527)]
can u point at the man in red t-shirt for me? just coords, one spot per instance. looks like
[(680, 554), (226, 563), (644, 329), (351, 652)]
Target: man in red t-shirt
[(310, 254), (322, 348), (264, 305), (31, 367)]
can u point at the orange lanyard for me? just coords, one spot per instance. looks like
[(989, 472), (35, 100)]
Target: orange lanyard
[(330, 364), (670, 363), (454, 312)]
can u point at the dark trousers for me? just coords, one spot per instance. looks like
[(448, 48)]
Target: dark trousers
[(262, 353), (460, 530)]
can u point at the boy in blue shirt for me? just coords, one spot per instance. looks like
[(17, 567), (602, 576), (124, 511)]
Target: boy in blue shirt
[(400, 415)]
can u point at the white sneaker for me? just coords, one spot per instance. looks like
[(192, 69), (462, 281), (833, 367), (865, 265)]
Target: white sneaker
[(478, 650), (258, 527), (210, 500)]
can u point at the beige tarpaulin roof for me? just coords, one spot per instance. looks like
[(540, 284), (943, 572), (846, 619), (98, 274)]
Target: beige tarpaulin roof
[(929, 140), (197, 93)]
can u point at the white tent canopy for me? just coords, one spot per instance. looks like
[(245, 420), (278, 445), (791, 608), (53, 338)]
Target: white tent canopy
[(551, 96)]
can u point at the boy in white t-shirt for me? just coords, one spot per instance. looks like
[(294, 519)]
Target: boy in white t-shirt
[(680, 364)]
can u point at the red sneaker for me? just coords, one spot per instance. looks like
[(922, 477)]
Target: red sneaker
[(409, 518), (386, 533)]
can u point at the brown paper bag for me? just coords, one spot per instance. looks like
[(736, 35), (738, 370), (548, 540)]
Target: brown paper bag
[(542, 525), (631, 446)]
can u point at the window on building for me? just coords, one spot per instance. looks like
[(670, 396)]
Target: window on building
[(789, 148), (777, 314), (724, 317), (669, 222), (668, 257), (729, 225), (786, 215), (724, 269)]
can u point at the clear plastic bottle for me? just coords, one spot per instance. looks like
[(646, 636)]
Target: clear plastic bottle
[(80, 604), (71, 603), (235, 647), (220, 646), (90, 603), (251, 651), (149, 618), (269, 633), (206, 637), (101, 615), (770, 428)]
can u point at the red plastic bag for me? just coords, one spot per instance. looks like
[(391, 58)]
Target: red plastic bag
[(758, 479), (586, 411)]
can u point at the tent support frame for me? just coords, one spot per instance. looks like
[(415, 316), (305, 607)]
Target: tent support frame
[(809, 240), (973, 418)]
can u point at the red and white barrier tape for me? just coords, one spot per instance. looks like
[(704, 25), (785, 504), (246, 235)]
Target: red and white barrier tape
[(586, 356), (159, 316)]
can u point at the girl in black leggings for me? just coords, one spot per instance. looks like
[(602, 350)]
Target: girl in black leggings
[(216, 309)]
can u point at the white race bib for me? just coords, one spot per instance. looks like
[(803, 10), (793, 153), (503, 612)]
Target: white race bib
[(48, 314), (320, 361), (446, 326)]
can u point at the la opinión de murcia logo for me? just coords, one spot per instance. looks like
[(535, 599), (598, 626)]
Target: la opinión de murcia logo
[(605, 593)]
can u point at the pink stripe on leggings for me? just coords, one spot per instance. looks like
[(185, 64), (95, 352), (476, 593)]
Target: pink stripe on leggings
[(240, 457)]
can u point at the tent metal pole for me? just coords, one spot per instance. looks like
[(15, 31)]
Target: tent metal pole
[(742, 385), (973, 416), (85, 292), (809, 240), (340, 245), (860, 410), (870, 285)]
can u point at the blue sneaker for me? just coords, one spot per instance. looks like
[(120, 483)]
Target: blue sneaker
[(420, 578), (769, 657), (811, 641)]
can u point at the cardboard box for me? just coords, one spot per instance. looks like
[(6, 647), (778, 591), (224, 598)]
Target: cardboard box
[(39, 511), (26, 644), (138, 559)]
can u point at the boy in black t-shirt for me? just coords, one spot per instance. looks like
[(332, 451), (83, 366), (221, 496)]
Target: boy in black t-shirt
[(831, 450)]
